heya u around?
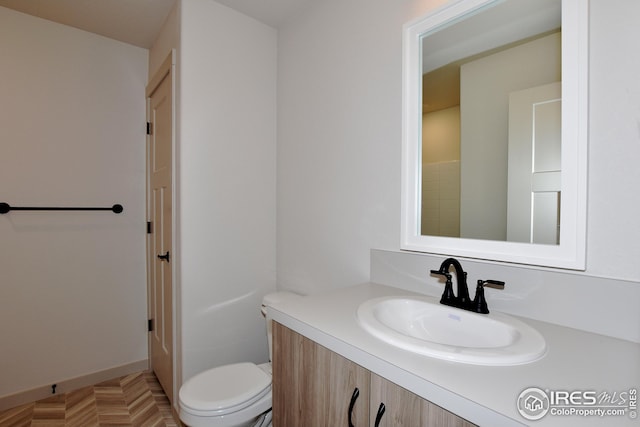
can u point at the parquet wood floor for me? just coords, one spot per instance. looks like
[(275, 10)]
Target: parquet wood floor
[(133, 400)]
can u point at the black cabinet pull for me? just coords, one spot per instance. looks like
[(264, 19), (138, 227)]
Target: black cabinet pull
[(379, 415), (352, 403), (164, 257)]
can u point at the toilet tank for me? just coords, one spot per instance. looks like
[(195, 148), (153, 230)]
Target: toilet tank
[(268, 300)]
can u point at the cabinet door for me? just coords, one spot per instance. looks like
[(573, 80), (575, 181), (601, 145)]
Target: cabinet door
[(433, 415), (402, 408), (406, 409), (313, 386)]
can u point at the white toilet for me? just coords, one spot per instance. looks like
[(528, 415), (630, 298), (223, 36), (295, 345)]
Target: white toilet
[(237, 395)]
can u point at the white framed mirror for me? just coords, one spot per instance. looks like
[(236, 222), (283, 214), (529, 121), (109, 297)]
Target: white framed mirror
[(494, 165)]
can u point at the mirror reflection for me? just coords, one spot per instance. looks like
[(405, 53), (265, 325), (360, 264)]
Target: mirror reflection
[(491, 125)]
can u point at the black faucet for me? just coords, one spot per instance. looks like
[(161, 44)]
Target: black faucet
[(462, 299)]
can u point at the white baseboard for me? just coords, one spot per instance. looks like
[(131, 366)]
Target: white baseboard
[(65, 386)]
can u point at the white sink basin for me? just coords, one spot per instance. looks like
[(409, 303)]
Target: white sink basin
[(422, 325)]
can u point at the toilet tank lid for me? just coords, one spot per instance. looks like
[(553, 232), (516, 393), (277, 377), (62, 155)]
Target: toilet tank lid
[(224, 387)]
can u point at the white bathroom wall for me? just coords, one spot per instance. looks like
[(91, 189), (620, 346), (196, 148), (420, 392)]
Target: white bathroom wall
[(339, 135), (339, 160), (72, 284), (613, 238), (226, 175)]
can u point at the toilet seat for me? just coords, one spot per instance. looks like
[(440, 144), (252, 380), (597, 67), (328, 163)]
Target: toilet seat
[(243, 384)]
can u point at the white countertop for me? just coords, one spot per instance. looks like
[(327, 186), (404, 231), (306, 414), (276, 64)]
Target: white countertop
[(485, 395)]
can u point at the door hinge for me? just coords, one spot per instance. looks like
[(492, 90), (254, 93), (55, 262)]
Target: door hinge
[(148, 128), (149, 229), (150, 325)]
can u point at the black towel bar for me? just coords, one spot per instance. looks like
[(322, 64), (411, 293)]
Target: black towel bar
[(5, 208)]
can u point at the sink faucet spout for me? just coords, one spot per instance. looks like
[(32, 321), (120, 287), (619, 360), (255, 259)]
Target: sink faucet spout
[(461, 299)]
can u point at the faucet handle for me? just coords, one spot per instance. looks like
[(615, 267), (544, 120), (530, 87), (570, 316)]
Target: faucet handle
[(448, 298), (496, 284), (479, 303)]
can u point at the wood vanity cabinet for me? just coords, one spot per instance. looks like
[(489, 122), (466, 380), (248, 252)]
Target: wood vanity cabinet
[(314, 387)]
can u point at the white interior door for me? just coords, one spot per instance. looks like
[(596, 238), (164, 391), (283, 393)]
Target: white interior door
[(160, 211), (534, 177)]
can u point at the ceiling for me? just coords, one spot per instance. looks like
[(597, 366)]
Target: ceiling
[(138, 22)]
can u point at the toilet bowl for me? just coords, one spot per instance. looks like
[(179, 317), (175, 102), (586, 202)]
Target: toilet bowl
[(230, 395), (236, 395)]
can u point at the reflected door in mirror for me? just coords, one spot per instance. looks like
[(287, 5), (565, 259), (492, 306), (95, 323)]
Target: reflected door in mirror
[(533, 209)]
